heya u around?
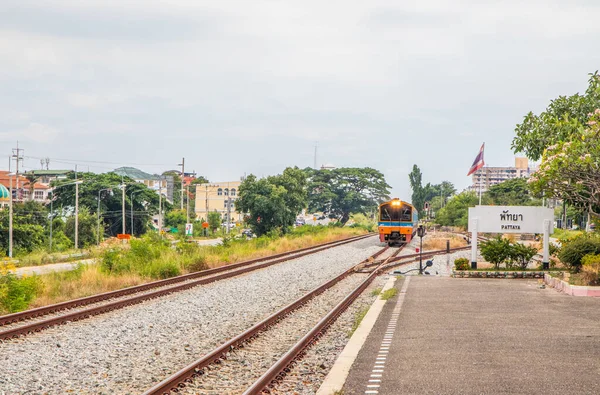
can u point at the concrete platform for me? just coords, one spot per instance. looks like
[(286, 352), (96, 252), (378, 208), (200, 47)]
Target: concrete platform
[(480, 336)]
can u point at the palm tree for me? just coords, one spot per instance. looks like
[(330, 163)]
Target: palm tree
[(32, 178)]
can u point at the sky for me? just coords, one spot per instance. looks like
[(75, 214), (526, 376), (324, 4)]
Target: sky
[(240, 87)]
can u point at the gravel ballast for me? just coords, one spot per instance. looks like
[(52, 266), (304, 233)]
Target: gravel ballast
[(129, 350)]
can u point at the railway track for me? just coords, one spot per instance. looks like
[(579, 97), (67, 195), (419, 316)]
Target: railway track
[(231, 367), (35, 320)]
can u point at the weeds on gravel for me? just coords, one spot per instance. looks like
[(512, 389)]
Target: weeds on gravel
[(357, 320), (388, 294), (376, 292)]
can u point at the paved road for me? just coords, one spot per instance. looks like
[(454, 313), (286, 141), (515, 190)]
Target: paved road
[(483, 336), (52, 267)]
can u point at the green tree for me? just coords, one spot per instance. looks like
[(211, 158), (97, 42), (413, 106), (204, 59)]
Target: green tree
[(456, 211), (175, 218), (107, 186), (570, 170), (513, 192), (344, 191), (31, 180), (563, 120), (418, 191), (214, 220), (273, 202), (87, 228), (29, 220)]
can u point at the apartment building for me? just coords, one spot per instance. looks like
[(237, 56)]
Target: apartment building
[(22, 188), (217, 196), (485, 177)]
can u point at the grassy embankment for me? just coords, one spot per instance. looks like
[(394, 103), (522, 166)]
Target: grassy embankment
[(150, 259)]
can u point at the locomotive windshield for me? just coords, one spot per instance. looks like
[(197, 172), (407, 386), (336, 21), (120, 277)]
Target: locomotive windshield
[(389, 212)]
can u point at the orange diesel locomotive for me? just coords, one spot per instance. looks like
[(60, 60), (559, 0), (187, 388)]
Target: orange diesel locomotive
[(398, 221)]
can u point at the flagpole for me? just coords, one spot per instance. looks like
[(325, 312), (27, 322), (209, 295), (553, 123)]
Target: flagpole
[(480, 182)]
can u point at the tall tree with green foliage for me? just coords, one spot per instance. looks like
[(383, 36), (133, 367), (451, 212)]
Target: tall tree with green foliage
[(344, 191), (418, 191), (107, 187), (564, 119), (456, 211), (512, 192), (272, 203), (570, 170), (214, 220), (29, 221)]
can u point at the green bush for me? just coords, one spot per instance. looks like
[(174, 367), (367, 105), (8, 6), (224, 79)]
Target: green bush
[(160, 270), (573, 251), (521, 254), (17, 293), (496, 250), (590, 269), (461, 264)]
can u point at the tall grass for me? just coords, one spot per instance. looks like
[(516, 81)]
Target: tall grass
[(151, 258), (437, 241)]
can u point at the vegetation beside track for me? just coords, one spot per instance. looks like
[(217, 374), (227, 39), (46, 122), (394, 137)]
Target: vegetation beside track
[(148, 259)]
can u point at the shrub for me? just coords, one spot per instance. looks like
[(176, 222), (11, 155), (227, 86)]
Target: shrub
[(573, 251), (461, 264), (496, 251), (17, 293), (521, 254), (590, 269)]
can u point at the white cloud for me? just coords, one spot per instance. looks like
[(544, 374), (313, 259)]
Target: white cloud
[(34, 132)]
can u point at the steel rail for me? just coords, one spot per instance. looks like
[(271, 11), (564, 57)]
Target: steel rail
[(278, 370), (53, 308), (82, 314), (196, 368)]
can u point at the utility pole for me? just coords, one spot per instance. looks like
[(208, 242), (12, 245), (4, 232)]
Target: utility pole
[(182, 164), (123, 203), (10, 212), (315, 161), (187, 200), (228, 212), (131, 230), (160, 209), (76, 210), (18, 158)]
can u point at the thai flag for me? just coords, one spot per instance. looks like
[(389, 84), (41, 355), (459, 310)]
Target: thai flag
[(478, 163)]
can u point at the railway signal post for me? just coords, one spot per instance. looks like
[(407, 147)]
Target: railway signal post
[(421, 233)]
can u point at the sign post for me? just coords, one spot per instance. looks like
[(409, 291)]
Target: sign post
[(189, 229), (511, 219), (473, 243)]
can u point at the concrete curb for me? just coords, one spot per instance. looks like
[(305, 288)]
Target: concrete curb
[(573, 290), (336, 378)]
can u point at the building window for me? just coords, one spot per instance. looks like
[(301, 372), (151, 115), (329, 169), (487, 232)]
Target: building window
[(232, 191), (220, 191), (226, 191), (225, 204), (39, 195)]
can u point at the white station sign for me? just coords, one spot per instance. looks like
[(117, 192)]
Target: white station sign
[(510, 219)]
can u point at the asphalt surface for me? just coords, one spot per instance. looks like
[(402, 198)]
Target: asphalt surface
[(485, 336)]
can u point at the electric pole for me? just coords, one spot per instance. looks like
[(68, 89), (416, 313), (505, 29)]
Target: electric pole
[(228, 212), (315, 161), (187, 207), (182, 164), (76, 210), (17, 155), (123, 203)]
